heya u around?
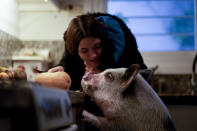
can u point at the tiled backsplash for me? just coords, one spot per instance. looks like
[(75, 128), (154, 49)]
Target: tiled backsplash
[(10, 45), (56, 48), (172, 84)]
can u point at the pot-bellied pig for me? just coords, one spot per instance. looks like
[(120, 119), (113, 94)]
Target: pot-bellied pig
[(127, 101)]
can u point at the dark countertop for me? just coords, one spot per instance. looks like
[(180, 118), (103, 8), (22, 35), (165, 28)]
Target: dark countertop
[(179, 100)]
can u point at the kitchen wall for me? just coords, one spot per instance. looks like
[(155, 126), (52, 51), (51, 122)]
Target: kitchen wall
[(36, 24), (11, 45), (55, 47), (9, 18), (8, 45), (41, 20), (9, 31), (174, 73)]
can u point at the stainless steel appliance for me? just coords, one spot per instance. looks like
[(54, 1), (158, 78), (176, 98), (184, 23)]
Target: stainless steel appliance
[(31, 107)]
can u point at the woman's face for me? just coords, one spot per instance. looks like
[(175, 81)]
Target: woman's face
[(90, 51)]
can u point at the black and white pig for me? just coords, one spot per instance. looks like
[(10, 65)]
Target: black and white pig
[(127, 101)]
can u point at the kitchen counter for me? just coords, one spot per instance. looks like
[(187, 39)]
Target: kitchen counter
[(179, 100)]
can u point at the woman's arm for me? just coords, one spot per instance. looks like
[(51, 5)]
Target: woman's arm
[(56, 69)]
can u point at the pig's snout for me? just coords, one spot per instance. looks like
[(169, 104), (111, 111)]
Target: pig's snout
[(88, 83), (85, 79), (87, 76)]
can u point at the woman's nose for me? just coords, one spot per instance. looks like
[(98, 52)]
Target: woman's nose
[(93, 55)]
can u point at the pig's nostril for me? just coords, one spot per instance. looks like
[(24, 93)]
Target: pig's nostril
[(87, 76)]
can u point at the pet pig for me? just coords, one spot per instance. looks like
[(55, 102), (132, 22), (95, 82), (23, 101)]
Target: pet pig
[(127, 101)]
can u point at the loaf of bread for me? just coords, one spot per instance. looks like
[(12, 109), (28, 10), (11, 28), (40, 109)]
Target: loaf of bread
[(59, 79)]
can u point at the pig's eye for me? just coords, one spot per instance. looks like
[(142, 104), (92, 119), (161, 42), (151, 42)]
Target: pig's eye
[(109, 76)]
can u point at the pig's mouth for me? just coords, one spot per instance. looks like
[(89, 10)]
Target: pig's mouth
[(88, 83), (86, 78), (84, 85)]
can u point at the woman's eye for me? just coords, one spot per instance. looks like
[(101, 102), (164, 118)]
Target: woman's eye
[(84, 51), (109, 76), (98, 46)]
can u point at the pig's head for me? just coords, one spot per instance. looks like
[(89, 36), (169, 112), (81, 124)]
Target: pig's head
[(110, 80)]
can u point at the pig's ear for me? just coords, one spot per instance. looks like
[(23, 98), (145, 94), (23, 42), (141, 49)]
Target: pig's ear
[(129, 76), (146, 73)]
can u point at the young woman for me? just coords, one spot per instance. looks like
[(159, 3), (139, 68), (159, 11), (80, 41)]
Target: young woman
[(95, 42)]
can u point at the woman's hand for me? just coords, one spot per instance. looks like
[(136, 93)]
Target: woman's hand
[(56, 69)]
